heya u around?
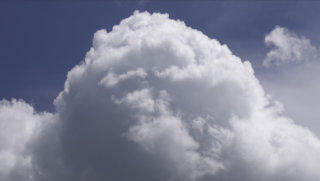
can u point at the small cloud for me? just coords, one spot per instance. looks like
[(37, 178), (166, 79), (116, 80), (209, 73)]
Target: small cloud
[(287, 47)]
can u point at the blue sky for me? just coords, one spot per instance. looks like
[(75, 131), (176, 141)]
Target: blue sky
[(41, 41)]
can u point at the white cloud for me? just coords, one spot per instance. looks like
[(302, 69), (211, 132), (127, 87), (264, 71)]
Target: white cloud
[(157, 100), (296, 85), (19, 125), (111, 79), (186, 76), (287, 47)]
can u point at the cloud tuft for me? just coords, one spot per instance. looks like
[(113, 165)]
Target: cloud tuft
[(287, 47)]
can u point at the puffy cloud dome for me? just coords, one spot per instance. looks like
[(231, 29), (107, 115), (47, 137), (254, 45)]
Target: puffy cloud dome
[(157, 100)]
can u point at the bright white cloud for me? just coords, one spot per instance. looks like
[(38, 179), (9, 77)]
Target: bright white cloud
[(287, 47), (19, 124), (157, 100)]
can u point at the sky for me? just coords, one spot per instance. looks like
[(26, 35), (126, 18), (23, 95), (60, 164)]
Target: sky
[(187, 90)]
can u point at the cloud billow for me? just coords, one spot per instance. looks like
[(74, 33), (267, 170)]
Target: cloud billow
[(157, 100)]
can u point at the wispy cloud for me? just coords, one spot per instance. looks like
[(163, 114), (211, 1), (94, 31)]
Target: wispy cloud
[(287, 47)]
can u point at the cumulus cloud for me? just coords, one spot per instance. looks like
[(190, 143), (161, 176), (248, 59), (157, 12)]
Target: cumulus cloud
[(157, 100), (19, 125), (287, 47)]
